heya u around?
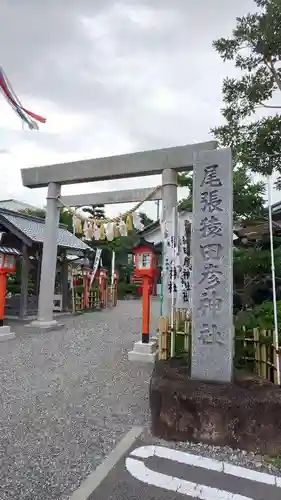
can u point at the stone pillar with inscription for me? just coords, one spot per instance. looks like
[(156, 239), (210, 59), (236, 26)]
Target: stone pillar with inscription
[(212, 281)]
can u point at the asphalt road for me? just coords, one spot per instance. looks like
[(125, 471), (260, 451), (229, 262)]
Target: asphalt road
[(139, 470)]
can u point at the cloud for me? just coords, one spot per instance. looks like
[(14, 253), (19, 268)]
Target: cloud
[(111, 77)]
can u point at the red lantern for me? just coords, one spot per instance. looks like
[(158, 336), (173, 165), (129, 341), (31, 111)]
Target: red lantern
[(7, 266), (7, 263), (145, 262)]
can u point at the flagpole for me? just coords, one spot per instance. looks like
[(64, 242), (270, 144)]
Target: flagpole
[(71, 275), (276, 340), (161, 222)]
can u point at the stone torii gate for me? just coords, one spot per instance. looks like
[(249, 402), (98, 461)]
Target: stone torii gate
[(167, 162)]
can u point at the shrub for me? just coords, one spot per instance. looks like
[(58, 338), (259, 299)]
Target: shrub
[(261, 317), (125, 289), (79, 289), (15, 288)]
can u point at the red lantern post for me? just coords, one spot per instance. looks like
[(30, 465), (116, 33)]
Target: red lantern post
[(7, 266), (86, 277), (145, 262), (102, 277)]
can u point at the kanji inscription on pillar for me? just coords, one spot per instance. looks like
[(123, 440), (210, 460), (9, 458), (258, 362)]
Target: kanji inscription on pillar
[(211, 252)]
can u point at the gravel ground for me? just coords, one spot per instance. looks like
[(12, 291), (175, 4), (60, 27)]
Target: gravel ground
[(66, 399)]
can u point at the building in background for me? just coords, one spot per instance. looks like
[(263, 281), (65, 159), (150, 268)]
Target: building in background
[(17, 206)]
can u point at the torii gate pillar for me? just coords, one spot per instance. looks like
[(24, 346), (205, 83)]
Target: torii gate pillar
[(45, 319)]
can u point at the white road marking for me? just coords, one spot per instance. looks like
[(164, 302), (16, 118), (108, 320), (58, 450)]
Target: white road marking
[(140, 471), (206, 463), (178, 456)]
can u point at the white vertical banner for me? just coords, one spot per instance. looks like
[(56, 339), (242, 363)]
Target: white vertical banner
[(95, 266), (169, 242), (177, 264), (112, 267), (183, 266)]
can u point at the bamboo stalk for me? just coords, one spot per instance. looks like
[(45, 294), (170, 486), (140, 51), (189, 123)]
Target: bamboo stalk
[(275, 360), (173, 340), (165, 338), (161, 329), (257, 350), (244, 342), (160, 342), (186, 339), (263, 353), (265, 356)]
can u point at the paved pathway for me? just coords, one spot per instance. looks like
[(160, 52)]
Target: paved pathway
[(66, 398), (147, 471)]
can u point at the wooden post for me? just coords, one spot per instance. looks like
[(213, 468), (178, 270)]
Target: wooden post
[(187, 336), (3, 283), (165, 339), (85, 290), (38, 270), (162, 341), (64, 283), (113, 304), (73, 298), (257, 350), (160, 334), (105, 290), (24, 281), (275, 361), (263, 357)]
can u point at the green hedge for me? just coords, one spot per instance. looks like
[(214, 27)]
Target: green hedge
[(79, 289), (15, 288), (125, 289), (261, 317)]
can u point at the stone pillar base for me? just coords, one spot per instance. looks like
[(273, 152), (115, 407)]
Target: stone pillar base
[(6, 334), (143, 352), (44, 326), (217, 414)]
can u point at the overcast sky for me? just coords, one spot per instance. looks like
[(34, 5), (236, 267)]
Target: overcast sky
[(110, 77)]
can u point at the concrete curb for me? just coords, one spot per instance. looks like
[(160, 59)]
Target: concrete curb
[(96, 477)]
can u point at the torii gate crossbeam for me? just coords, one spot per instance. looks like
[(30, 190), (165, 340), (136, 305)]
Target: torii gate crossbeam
[(115, 167)]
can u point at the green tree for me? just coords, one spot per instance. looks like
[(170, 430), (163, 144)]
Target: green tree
[(97, 211), (145, 219), (247, 195), (255, 48), (65, 216), (252, 272)]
